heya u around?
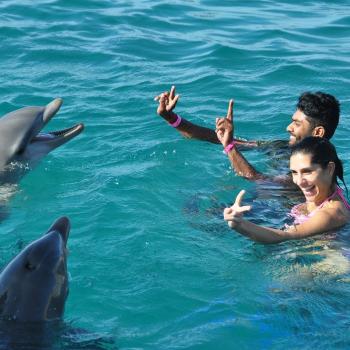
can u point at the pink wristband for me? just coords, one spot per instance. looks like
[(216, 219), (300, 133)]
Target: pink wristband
[(229, 147), (176, 122)]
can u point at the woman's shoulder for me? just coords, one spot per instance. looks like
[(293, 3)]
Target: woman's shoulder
[(337, 209)]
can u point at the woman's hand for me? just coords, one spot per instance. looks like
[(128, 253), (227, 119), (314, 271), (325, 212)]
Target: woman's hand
[(234, 214)]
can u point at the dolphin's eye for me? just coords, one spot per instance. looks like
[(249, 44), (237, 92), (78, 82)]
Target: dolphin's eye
[(21, 151), (29, 266)]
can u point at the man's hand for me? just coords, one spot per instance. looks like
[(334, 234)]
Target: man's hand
[(224, 126), (234, 214), (167, 102)]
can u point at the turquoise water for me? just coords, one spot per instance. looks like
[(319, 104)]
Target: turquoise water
[(152, 264)]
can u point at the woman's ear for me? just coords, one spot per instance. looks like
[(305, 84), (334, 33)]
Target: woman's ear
[(331, 168), (319, 131)]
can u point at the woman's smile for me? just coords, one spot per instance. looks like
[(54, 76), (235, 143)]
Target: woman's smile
[(313, 180)]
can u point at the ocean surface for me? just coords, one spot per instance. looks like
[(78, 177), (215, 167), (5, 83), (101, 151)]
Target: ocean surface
[(152, 263)]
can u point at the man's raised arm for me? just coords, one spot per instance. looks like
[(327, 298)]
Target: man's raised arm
[(167, 103), (225, 131)]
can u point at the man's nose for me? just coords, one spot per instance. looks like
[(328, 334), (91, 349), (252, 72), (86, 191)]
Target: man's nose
[(289, 127)]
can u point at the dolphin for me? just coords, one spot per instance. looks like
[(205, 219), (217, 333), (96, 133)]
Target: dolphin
[(34, 285), (23, 142), (33, 291)]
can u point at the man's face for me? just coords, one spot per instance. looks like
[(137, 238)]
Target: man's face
[(299, 128)]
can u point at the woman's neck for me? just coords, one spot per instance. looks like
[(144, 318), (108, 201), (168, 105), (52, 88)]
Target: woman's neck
[(313, 205)]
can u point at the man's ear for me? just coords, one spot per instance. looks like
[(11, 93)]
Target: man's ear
[(318, 131)]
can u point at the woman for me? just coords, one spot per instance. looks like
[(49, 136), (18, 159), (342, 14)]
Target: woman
[(315, 168)]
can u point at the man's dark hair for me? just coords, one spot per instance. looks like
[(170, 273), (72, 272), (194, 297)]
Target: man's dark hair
[(321, 109)]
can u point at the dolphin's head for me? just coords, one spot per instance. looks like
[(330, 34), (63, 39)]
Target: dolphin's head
[(34, 285), (21, 139)]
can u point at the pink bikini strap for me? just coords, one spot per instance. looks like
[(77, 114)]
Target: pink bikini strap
[(328, 198)]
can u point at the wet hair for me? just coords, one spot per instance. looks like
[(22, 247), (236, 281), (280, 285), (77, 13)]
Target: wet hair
[(321, 109), (322, 152)]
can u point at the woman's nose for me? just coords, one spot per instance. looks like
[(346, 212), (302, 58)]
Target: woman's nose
[(299, 179)]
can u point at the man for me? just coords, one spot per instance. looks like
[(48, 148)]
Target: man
[(317, 114)]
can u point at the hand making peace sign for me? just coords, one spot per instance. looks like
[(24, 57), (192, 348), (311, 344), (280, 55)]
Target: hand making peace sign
[(234, 214), (167, 101)]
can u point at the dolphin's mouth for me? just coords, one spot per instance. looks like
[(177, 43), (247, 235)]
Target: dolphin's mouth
[(59, 134)]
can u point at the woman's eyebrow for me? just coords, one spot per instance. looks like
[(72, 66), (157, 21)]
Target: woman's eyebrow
[(309, 168)]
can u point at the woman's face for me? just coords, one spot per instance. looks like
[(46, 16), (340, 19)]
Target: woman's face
[(313, 180)]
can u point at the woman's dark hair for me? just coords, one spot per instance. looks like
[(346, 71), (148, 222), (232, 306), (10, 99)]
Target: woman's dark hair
[(321, 109), (322, 152)]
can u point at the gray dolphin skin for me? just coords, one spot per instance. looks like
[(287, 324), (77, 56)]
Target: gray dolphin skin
[(34, 285), (22, 139)]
